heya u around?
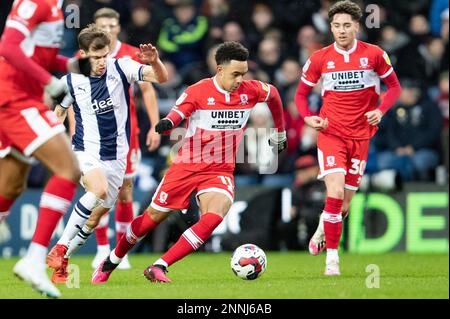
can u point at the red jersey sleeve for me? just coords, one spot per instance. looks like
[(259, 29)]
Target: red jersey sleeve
[(26, 14), (383, 65), (262, 90), (311, 71), (184, 106)]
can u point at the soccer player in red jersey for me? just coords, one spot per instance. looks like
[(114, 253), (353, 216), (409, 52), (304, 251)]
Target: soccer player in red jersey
[(216, 110), (28, 52), (107, 19), (350, 71)]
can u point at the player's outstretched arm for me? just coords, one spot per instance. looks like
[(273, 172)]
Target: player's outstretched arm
[(151, 106), (156, 72)]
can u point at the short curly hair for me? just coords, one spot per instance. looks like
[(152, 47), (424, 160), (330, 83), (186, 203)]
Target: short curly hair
[(231, 50), (347, 7)]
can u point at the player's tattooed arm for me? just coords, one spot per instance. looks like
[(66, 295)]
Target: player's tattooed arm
[(156, 72)]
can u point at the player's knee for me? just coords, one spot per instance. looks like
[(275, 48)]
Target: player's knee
[(155, 215), (336, 191), (100, 191), (14, 190)]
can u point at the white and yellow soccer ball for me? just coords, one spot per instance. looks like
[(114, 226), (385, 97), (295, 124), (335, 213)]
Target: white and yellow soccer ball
[(248, 262)]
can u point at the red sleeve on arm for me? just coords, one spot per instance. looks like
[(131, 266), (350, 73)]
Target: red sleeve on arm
[(12, 52), (301, 98), (183, 108), (175, 117), (393, 92), (276, 108), (60, 63)]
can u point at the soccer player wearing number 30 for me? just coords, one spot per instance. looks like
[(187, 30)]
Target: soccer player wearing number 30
[(217, 110), (350, 71)]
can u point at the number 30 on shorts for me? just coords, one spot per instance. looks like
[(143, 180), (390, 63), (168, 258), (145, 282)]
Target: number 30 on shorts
[(358, 167)]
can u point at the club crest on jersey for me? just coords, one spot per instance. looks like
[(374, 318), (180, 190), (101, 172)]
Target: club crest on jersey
[(364, 62), (113, 78), (211, 101), (244, 99), (331, 161), (330, 65), (163, 197)]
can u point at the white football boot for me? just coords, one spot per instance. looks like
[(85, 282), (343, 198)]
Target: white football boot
[(36, 275)]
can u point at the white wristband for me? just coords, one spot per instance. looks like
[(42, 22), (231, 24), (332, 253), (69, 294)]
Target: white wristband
[(278, 137)]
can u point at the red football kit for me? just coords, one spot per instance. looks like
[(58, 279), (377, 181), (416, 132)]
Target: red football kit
[(350, 87), (34, 30), (216, 122)]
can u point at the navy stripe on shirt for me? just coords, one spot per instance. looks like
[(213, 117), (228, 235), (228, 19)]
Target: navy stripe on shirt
[(77, 139), (106, 118), (126, 90)]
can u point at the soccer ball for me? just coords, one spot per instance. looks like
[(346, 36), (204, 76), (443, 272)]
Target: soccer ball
[(248, 262)]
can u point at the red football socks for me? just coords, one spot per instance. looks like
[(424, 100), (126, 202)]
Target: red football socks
[(5, 204), (55, 201), (101, 231), (192, 238), (124, 217), (332, 222), (139, 227)]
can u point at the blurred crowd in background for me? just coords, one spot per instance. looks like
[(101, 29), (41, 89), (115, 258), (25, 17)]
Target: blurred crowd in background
[(413, 138)]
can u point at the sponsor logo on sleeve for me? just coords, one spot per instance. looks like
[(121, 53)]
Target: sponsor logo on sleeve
[(306, 66), (181, 98), (27, 9), (386, 58)]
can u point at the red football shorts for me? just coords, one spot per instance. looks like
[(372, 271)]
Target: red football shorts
[(349, 156), (133, 156), (25, 126), (178, 184)]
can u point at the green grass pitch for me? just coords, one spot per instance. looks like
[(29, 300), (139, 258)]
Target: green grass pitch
[(290, 275)]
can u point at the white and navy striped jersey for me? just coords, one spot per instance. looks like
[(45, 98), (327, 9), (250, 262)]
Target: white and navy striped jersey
[(102, 107)]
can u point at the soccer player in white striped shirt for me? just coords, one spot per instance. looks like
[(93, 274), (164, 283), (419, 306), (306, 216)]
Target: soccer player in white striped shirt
[(102, 130)]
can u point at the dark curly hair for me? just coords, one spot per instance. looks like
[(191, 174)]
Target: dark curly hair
[(346, 6), (231, 50)]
